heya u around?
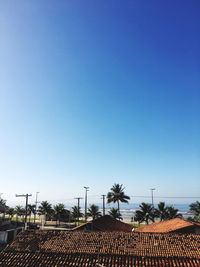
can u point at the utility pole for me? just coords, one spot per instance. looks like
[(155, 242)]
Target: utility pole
[(86, 190), (36, 202), (78, 198), (26, 196), (152, 189), (103, 197)]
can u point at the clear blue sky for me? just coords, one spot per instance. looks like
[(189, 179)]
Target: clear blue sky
[(98, 92)]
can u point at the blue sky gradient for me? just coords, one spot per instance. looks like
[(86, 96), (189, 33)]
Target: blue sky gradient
[(98, 92)]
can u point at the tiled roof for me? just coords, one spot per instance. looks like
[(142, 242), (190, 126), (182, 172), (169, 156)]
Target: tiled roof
[(106, 223), (139, 244), (167, 226), (28, 259)]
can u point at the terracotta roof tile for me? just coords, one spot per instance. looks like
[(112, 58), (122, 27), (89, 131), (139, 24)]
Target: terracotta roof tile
[(110, 249), (28, 259), (166, 226), (140, 244)]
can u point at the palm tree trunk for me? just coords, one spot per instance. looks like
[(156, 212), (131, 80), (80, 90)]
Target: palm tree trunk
[(118, 205)]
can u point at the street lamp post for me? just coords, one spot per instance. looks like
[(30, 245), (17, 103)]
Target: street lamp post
[(86, 190), (152, 189)]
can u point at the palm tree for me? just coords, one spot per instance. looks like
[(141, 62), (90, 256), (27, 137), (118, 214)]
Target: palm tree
[(145, 214), (173, 213), (76, 213), (195, 209), (45, 208), (31, 210), (19, 211), (161, 211), (117, 195), (10, 212), (23, 214), (94, 212), (3, 207), (139, 217), (115, 214), (59, 210)]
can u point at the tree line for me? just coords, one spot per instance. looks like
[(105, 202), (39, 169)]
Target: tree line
[(146, 212)]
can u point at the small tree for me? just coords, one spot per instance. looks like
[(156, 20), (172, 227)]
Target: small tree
[(3, 207), (195, 209), (161, 211), (173, 213), (145, 214), (76, 213), (10, 212), (59, 210), (94, 212), (31, 210), (45, 208), (115, 214), (19, 211)]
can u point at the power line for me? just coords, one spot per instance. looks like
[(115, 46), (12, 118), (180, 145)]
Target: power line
[(165, 197)]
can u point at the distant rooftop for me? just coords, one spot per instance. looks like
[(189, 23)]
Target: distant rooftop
[(105, 223), (168, 226)]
